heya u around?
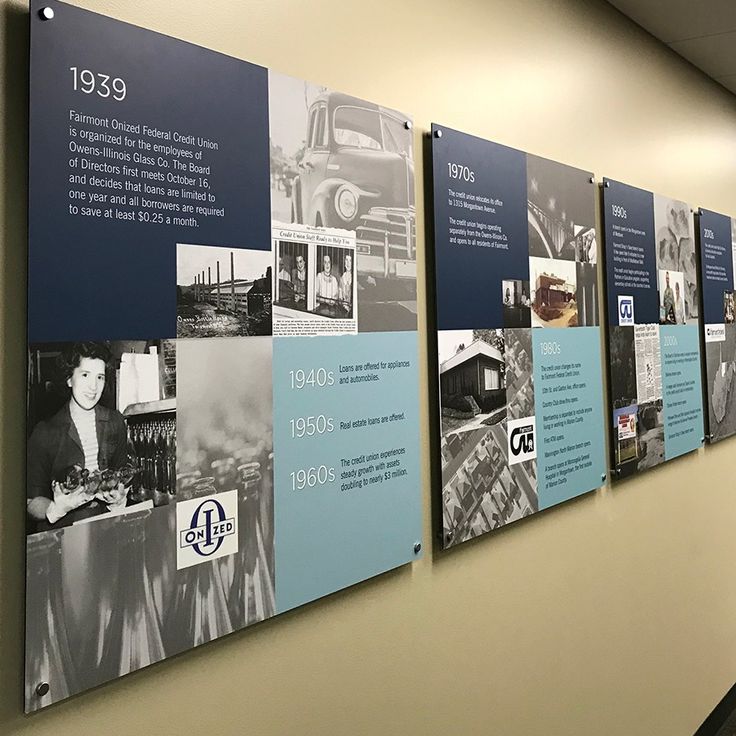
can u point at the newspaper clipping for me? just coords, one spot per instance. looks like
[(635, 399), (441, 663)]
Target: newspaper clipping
[(313, 281)]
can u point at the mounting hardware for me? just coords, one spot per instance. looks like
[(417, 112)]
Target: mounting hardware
[(438, 133), (46, 14)]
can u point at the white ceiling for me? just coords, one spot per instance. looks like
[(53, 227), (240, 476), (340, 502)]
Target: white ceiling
[(702, 31)]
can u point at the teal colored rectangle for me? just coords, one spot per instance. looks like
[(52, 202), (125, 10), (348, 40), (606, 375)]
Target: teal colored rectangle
[(682, 394), (334, 534), (569, 412)]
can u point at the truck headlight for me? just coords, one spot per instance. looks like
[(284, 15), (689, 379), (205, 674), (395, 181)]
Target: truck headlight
[(346, 202)]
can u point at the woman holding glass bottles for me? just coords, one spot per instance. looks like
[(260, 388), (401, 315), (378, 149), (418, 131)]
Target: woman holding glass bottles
[(78, 460)]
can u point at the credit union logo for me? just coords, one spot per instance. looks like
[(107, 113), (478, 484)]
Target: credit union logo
[(625, 310), (522, 440)]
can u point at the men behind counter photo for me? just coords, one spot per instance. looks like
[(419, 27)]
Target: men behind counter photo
[(314, 284), (671, 297)]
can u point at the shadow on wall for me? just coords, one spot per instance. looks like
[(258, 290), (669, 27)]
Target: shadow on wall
[(13, 268)]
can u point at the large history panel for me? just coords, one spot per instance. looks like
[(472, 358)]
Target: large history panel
[(222, 384), (653, 319), (717, 260), (518, 333)]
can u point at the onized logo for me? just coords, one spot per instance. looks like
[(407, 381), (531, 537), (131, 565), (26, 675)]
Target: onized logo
[(208, 529)]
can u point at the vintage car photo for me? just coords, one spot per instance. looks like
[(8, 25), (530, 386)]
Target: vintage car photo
[(341, 162)]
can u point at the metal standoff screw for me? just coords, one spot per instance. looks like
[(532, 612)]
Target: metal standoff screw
[(438, 133), (408, 125), (43, 687), (417, 547), (603, 477), (607, 184), (702, 440), (592, 180), (46, 14)]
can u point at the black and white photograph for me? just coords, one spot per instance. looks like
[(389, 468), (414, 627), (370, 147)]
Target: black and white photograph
[(721, 366), (314, 285), (472, 378), (560, 211), (623, 366), (102, 430), (650, 434), (729, 308), (586, 275), (481, 491), (516, 303), (222, 292), (106, 598), (586, 248), (636, 387), (519, 373), (648, 352), (675, 250), (292, 283), (553, 292), (341, 162), (93, 601), (670, 292), (101, 482), (225, 444)]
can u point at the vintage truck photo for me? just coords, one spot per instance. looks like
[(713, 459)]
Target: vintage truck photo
[(356, 172)]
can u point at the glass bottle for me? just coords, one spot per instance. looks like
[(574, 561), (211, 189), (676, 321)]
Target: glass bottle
[(133, 635), (171, 458), (48, 656), (198, 612), (226, 479)]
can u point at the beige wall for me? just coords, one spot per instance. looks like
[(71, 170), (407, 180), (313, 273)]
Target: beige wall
[(613, 615)]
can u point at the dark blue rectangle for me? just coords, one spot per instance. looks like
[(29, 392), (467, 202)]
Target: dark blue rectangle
[(716, 264), (96, 278), (631, 269), (469, 275)]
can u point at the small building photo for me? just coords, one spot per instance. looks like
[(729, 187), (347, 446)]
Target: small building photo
[(554, 284), (472, 378)]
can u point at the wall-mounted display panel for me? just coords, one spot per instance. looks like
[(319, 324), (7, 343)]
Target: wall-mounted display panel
[(717, 268), (222, 396), (518, 339), (656, 404)]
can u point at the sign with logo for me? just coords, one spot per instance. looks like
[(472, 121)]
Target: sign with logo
[(627, 426), (715, 333), (206, 528), (625, 310), (522, 442)]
